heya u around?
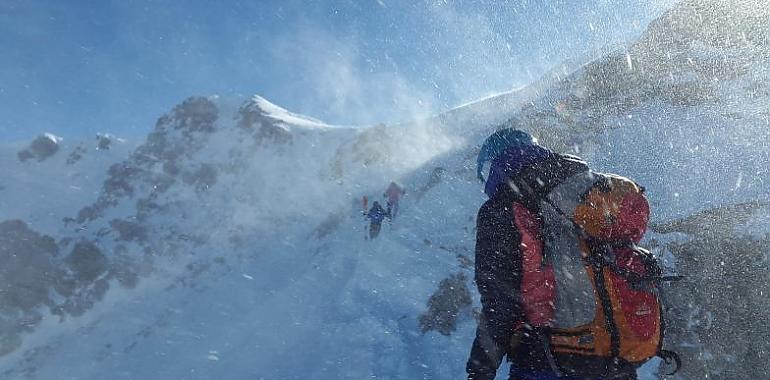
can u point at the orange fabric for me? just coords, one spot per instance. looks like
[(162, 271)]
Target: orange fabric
[(619, 214), (630, 308), (636, 314)]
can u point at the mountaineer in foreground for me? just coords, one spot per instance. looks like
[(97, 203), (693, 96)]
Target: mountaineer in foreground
[(566, 293)]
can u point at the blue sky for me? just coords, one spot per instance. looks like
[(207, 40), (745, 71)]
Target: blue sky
[(80, 67)]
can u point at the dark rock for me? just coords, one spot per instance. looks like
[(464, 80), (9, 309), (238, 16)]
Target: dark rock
[(84, 300), (120, 180), (87, 262), (27, 269), (171, 168), (717, 316), (41, 148), (76, 155), (445, 305), (196, 114), (103, 142), (27, 275), (202, 178), (87, 213), (129, 231), (146, 207), (251, 118), (435, 178)]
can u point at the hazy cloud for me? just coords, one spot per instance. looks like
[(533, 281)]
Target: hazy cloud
[(345, 87)]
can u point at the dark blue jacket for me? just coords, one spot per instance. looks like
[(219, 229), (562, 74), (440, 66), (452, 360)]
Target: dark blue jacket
[(376, 214)]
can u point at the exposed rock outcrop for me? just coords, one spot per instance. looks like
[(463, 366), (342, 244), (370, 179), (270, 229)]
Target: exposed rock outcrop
[(27, 274), (716, 315), (445, 305), (40, 148)]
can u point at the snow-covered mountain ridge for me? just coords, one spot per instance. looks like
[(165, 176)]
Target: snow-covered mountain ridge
[(229, 243)]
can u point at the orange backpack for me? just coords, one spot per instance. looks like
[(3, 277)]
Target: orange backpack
[(585, 282)]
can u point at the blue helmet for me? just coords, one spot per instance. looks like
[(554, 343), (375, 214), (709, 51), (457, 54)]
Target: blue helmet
[(497, 143)]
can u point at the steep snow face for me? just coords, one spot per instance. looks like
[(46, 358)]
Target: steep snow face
[(278, 113)]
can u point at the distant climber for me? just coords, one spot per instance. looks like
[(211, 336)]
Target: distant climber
[(376, 215), (392, 195)]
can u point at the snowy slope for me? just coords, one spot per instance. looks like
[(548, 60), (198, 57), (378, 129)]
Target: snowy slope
[(230, 243), (240, 215), (43, 191)]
